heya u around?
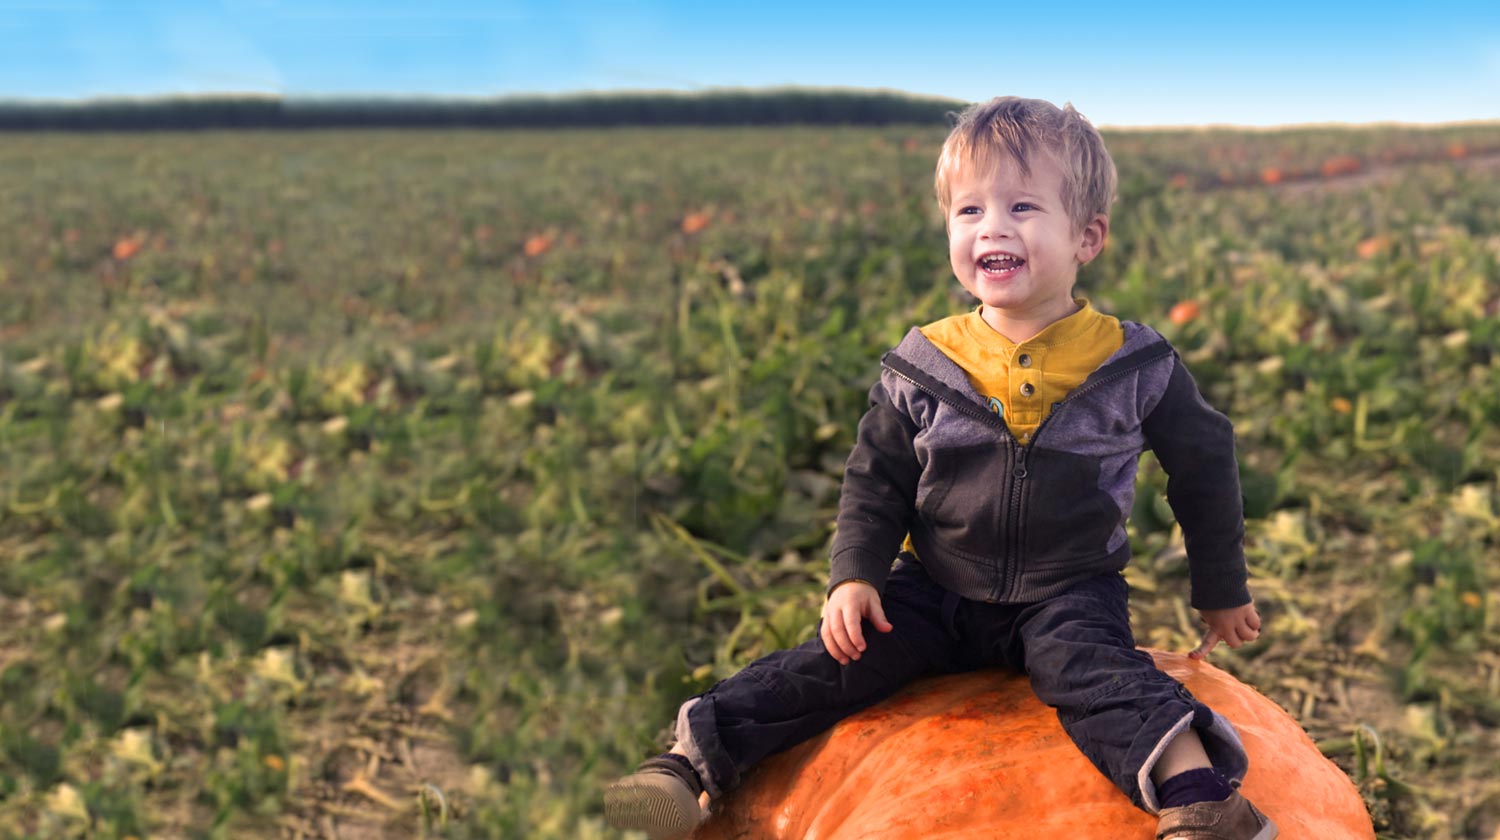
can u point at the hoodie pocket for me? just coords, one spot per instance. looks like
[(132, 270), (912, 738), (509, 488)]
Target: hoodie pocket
[(959, 496), (1069, 518)]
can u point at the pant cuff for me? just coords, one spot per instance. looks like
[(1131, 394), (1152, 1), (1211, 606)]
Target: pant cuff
[(703, 748), (1220, 741)]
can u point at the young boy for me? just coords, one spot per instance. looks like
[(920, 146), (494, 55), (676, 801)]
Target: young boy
[(996, 464)]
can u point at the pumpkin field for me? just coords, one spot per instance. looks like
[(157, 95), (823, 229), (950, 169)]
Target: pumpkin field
[(362, 484)]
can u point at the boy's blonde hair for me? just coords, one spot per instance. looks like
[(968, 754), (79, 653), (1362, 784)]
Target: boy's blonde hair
[(1013, 127)]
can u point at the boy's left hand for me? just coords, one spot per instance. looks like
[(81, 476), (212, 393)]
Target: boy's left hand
[(1234, 626)]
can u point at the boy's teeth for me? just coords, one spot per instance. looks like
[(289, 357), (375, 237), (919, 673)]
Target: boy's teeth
[(1000, 263)]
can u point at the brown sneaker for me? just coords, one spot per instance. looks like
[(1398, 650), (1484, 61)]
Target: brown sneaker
[(1232, 819), (655, 802)]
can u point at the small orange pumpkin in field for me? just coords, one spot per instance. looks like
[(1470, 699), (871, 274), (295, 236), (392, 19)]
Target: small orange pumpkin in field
[(1341, 165), (127, 247), (978, 755), (537, 245), (1372, 247), (1184, 312)]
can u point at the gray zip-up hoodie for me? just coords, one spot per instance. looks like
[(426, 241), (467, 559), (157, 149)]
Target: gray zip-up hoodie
[(996, 521)]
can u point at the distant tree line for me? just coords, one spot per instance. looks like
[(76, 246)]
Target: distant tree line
[(714, 108)]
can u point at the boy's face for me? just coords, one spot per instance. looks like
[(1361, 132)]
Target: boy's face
[(1012, 243)]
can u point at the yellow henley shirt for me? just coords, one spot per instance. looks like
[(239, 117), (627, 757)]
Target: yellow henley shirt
[(1024, 381)]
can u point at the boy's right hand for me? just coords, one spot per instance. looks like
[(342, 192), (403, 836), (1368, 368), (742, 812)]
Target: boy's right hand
[(848, 604)]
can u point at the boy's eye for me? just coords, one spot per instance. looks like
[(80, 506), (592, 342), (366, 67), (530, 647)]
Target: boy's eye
[(967, 210), (1025, 204)]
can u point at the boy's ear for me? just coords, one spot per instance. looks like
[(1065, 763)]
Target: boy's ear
[(1092, 238)]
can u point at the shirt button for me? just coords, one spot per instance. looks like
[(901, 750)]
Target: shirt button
[(1024, 360), (1027, 390)]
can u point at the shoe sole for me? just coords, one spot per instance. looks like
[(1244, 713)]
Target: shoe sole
[(1267, 830), (651, 805)]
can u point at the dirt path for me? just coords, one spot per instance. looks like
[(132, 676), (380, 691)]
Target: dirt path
[(1382, 174)]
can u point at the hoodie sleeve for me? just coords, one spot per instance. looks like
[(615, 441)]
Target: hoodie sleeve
[(1195, 445), (878, 497)]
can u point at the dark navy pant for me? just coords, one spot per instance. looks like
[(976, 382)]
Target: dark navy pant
[(1077, 649)]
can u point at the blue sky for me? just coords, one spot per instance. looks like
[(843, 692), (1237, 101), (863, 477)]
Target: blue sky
[(1118, 63)]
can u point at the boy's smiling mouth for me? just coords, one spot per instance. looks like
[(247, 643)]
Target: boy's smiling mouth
[(999, 264)]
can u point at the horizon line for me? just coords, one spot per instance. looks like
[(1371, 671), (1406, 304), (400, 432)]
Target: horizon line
[(391, 98)]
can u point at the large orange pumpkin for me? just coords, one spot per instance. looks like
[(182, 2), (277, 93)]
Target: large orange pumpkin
[(978, 755)]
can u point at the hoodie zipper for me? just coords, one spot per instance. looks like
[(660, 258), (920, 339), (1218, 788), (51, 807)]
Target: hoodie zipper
[(968, 408), (1020, 471)]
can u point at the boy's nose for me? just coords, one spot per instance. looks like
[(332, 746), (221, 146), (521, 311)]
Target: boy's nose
[(995, 229), (995, 226)]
